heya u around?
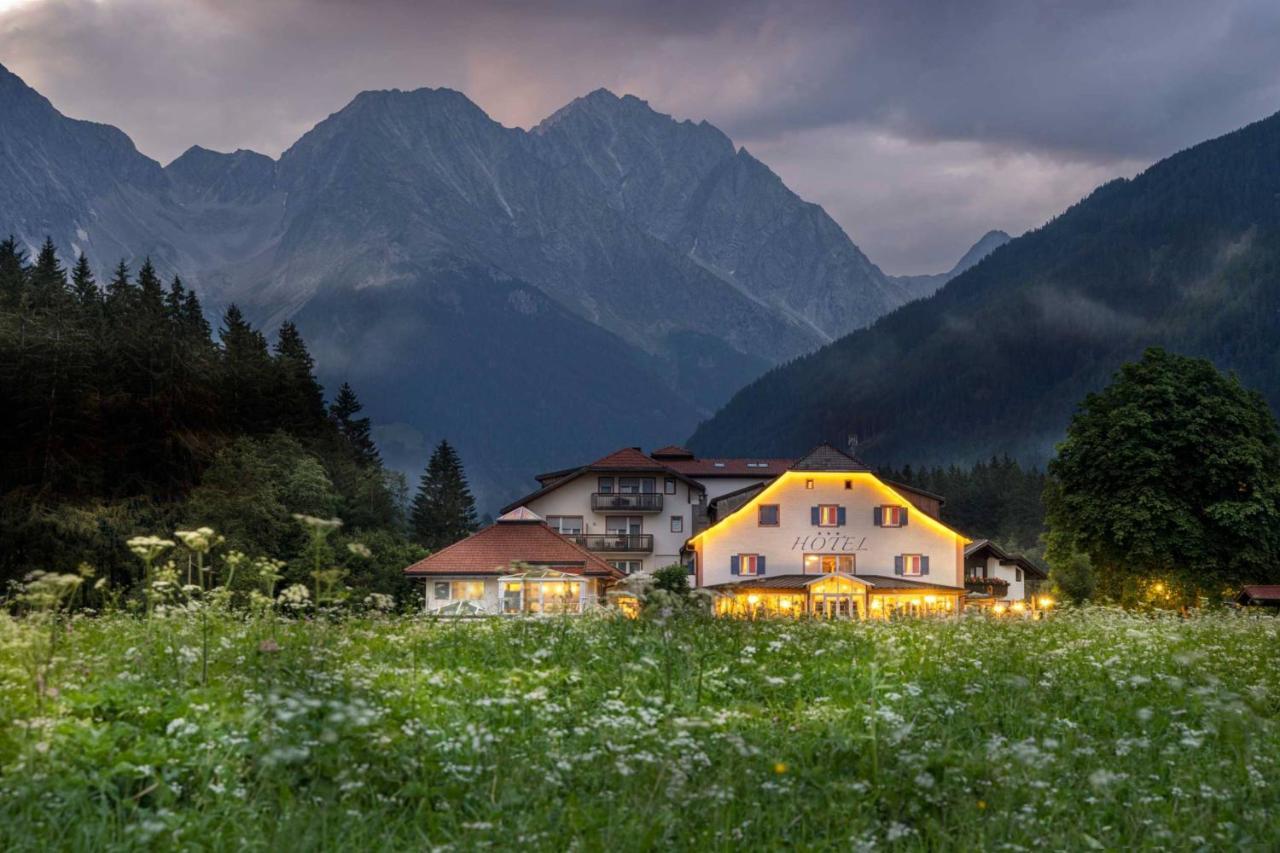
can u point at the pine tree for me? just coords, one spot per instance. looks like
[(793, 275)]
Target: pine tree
[(13, 272), (443, 510), (246, 373), (120, 292), (84, 287), (299, 397), (48, 280), (355, 430)]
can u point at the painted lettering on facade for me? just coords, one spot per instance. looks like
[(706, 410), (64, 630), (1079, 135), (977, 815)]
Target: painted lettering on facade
[(830, 543)]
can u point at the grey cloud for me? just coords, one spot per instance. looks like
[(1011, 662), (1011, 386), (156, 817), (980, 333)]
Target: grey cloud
[(1012, 109)]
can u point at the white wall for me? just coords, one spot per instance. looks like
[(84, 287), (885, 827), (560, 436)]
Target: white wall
[(1017, 588), (574, 498), (717, 486), (874, 547)]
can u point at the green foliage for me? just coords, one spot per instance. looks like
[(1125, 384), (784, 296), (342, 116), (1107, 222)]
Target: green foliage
[(1071, 572), (122, 415), (998, 500), (1172, 471), (443, 510), (1088, 730), (674, 579)]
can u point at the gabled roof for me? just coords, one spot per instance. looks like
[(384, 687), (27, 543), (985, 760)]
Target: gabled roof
[(672, 451), (725, 467), (495, 550), (627, 459), (981, 546), (1261, 593), (824, 457), (620, 461)]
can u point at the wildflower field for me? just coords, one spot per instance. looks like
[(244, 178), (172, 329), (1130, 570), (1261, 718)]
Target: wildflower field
[(1088, 730)]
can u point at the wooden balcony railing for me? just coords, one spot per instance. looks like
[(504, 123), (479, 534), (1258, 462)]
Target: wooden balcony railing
[(626, 502)]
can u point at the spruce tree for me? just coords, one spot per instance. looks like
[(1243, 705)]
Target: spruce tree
[(246, 373), (13, 272), (443, 510), (355, 430), (299, 397), (84, 287), (48, 280)]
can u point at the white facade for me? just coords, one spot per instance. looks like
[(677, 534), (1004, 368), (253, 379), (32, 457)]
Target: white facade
[(657, 534), (875, 550)]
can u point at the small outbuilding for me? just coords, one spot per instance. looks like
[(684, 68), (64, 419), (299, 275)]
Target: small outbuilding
[(1260, 595)]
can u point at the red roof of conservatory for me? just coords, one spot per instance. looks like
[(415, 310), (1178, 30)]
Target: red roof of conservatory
[(520, 536)]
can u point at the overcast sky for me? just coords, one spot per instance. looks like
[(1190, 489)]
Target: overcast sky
[(918, 125)]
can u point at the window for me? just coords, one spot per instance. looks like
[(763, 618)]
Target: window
[(848, 484), (1017, 575), (677, 524), (767, 515), (628, 566), (748, 563), (828, 515), (621, 525), (441, 592), (892, 516), (669, 485), (911, 564), (569, 525), (825, 564), (636, 485), (606, 485), (467, 590), (808, 484), (512, 597)]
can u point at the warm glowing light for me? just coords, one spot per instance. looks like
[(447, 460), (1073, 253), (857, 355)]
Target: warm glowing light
[(1158, 589), (753, 599), (1046, 602), (1018, 606), (876, 604), (930, 599), (784, 603), (1000, 608)]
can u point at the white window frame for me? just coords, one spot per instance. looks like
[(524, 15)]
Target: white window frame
[(909, 560), (677, 524), (558, 525), (744, 560), (435, 591), (897, 515)]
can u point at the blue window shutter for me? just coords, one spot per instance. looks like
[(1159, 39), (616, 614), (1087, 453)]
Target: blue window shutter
[(733, 564), (897, 564), (813, 516), (840, 517), (760, 564), (877, 515), (924, 565), (904, 516)]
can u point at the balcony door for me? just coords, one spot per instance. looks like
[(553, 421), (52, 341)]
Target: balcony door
[(637, 485), (624, 525)]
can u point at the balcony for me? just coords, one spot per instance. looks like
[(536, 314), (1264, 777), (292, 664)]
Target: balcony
[(995, 587), (626, 502), (616, 543)]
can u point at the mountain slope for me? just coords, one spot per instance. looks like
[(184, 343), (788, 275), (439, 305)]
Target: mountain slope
[(687, 185), (1185, 256), (920, 286)]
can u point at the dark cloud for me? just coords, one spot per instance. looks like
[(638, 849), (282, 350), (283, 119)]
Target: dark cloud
[(918, 124)]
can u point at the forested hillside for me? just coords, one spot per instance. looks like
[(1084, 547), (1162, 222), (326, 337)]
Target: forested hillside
[(122, 414), (1185, 256)]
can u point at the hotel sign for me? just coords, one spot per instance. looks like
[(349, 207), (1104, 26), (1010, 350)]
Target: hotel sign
[(832, 543)]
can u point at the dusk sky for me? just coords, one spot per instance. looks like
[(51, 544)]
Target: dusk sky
[(917, 125)]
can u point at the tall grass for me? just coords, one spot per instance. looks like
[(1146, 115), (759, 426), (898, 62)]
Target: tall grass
[(1093, 729)]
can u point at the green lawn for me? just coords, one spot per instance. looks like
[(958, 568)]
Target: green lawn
[(1088, 730)]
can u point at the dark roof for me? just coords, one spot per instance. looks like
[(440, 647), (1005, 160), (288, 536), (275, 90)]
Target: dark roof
[(824, 457), (497, 548), (717, 467), (620, 461), (672, 451), (907, 487), (1261, 593), (885, 583)]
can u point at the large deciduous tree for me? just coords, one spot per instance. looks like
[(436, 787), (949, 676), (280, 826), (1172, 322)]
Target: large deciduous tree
[(1171, 473), (443, 510)]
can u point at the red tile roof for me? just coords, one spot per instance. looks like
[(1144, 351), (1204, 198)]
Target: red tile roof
[(1262, 592), (495, 549), (729, 467), (627, 459), (672, 451)]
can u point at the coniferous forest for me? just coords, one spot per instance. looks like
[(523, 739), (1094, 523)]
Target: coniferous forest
[(125, 412)]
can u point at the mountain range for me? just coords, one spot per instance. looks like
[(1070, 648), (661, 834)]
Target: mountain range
[(606, 278), (1184, 256)]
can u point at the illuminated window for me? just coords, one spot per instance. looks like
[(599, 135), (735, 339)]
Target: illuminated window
[(891, 516), (828, 515), (826, 564), (911, 564), (768, 515), (747, 564), (808, 484), (467, 590)]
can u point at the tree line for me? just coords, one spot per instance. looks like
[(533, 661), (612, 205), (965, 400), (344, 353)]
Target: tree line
[(121, 411)]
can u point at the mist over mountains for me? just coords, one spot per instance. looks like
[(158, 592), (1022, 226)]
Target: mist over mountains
[(609, 277)]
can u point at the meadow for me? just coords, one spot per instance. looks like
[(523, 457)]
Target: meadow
[(1092, 729)]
